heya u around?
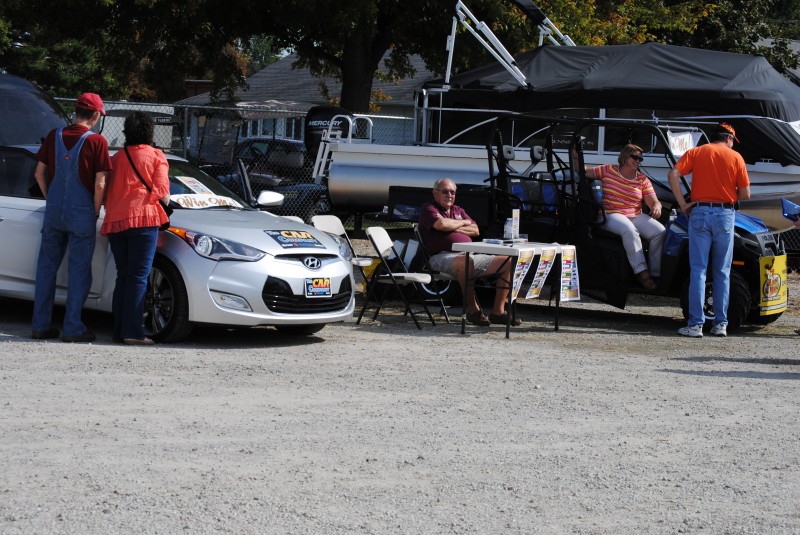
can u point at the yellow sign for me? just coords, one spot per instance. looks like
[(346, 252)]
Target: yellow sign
[(774, 290)]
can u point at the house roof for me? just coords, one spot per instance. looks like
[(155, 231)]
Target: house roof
[(279, 82)]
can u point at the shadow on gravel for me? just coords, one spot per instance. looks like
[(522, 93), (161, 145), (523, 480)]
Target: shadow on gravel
[(256, 337), (15, 316), (746, 360), (738, 374), (611, 317)]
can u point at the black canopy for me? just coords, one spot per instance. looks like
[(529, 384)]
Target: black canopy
[(645, 76)]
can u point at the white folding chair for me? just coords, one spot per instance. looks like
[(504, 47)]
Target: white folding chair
[(396, 275), (333, 225)]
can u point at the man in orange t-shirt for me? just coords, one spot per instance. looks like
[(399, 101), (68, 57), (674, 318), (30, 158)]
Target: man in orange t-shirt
[(719, 181)]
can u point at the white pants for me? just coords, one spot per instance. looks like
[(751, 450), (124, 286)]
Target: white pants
[(632, 231)]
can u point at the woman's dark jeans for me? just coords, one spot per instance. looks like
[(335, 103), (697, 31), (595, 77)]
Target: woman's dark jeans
[(133, 251)]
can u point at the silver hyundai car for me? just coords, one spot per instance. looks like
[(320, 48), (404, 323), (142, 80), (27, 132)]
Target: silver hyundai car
[(222, 261)]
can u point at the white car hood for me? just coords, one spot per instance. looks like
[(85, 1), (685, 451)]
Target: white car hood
[(262, 230)]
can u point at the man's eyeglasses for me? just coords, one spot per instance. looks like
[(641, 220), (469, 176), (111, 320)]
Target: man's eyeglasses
[(637, 158), (447, 191)]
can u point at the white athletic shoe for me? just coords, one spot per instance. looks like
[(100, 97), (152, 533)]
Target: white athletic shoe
[(720, 329), (692, 331)]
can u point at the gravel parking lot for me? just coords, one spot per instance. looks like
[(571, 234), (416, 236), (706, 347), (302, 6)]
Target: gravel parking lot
[(614, 424)]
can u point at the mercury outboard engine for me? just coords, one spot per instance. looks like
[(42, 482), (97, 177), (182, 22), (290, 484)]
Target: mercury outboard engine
[(319, 119)]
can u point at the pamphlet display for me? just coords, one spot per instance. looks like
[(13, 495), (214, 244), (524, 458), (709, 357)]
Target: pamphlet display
[(542, 270), (523, 265), (570, 287)]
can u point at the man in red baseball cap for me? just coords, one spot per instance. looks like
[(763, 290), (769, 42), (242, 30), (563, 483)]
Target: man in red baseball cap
[(71, 173), (90, 102)]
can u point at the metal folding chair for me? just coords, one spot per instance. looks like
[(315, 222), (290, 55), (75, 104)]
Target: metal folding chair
[(393, 272)]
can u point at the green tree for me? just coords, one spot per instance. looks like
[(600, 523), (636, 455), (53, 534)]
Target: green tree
[(145, 49), (740, 26), (138, 49)]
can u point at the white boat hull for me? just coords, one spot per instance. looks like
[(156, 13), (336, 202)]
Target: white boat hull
[(359, 175)]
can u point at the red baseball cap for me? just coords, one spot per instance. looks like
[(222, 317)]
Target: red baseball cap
[(728, 128), (91, 102)]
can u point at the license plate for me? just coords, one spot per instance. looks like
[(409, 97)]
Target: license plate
[(318, 287)]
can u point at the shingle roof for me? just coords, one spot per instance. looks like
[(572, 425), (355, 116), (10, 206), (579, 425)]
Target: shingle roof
[(280, 82)]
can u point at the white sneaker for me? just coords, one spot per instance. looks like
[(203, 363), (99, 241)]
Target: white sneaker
[(692, 331), (720, 329)]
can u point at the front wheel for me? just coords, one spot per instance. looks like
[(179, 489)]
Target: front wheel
[(449, 291), (738, 304), (166, 304)]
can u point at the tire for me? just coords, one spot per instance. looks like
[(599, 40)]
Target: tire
[(300, 330), (166, 304), (448, 290), (738, 305)]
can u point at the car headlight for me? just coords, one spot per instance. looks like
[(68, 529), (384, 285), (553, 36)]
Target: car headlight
[(218, 249), (344, 248)]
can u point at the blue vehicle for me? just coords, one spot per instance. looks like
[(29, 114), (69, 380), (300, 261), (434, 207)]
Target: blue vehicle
[(559, 204)]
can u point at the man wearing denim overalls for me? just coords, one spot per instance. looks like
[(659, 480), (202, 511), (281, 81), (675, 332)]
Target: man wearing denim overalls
[(71, 173)]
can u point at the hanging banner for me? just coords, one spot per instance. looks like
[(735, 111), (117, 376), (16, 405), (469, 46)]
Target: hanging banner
[(523, 265), (682, 141), (542, 270), (570, 287)]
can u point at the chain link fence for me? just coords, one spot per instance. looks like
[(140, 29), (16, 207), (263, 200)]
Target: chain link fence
[(268, 139)]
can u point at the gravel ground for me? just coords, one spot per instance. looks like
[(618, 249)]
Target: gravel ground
[(614, 424)]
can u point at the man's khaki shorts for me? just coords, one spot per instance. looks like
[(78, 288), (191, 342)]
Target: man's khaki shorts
[(444, 262)]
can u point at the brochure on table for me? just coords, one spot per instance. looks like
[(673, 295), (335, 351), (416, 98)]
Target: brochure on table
[(569, 283)]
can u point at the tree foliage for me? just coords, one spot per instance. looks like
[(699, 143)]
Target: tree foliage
[(145, 49)]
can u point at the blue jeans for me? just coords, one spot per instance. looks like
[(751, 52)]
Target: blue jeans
[(55, 242), (710, 237), (133, 251)]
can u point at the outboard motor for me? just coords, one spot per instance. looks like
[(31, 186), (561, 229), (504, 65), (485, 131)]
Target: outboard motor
[(319, 119)]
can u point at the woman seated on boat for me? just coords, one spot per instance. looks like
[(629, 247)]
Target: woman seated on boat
[(624, 189)]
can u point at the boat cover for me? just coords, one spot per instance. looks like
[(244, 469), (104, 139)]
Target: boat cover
[(645, 76)]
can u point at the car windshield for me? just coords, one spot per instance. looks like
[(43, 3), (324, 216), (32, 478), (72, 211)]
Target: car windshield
[(189, 187)]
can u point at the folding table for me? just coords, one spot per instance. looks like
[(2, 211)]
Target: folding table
[(514, 251)]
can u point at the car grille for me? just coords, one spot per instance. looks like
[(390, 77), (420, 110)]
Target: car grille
[(278, 297)]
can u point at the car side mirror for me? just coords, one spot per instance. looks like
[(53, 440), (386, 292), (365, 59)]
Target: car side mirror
[(269, 199)]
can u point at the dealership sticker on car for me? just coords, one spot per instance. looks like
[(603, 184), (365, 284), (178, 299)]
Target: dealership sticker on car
[(318, 287), (290, 239)]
